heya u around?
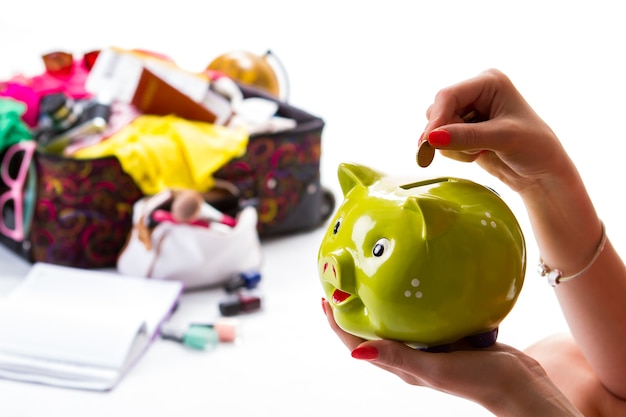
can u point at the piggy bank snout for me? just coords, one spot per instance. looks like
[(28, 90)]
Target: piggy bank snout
[(337, 269)]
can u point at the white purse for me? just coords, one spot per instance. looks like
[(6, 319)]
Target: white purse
[(197, 255)]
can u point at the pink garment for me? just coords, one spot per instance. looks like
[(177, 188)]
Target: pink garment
[(29, 90)]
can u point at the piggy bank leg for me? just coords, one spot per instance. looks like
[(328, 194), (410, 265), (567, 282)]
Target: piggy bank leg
[(483, 340), (436, 349)]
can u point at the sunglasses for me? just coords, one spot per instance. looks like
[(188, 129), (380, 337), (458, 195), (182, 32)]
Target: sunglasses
[(17, 203), (61, 63)]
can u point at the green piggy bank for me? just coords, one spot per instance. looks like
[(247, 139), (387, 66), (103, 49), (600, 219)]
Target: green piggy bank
[(427, 263)]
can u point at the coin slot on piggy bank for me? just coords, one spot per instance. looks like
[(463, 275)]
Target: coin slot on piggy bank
[(423, 183), (426, 262)]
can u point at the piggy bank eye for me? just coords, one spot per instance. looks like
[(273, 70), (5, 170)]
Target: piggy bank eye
[(380, 247), (337, 226)]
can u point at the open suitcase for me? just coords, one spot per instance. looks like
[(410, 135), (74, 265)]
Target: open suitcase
[(78, 212)]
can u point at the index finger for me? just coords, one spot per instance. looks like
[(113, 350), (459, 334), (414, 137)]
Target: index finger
[(469, 99), (348, 339)]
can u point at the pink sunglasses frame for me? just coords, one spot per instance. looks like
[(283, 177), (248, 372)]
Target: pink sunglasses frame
[(16, 187)]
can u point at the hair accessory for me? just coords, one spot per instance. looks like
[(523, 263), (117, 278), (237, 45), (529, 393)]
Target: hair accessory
[(555, 276)]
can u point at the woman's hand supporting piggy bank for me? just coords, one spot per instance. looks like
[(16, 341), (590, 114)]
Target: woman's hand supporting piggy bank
[(427, 263)]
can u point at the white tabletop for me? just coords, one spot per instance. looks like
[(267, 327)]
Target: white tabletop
[(370, 70), (287, 361)]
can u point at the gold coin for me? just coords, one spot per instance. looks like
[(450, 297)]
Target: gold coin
[(425, 154), (470, 117)]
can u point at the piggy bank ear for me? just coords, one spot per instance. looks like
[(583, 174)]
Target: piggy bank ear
[(351, 175), (438, 215)]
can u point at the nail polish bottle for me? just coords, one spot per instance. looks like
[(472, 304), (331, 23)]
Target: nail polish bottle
[(242, 304)]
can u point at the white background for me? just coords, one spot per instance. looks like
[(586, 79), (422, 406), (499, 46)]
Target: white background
[(370, 70)]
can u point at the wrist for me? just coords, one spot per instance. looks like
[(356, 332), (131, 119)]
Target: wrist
[(533, 396), (564, 221)]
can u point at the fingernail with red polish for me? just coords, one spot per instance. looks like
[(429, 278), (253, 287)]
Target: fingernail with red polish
[(324, 304), (439, 138), (365, 352)]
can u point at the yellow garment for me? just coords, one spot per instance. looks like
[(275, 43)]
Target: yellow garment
[(161, 152)]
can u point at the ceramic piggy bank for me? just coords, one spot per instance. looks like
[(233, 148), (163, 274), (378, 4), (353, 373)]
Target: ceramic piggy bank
[(427, 263)]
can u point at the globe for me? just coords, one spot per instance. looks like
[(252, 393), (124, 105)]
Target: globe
[(249, 69)]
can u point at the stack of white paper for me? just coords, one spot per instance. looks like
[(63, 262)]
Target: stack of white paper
[(80, 328)]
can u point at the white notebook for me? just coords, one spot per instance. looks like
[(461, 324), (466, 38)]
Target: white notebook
[(80, 328)]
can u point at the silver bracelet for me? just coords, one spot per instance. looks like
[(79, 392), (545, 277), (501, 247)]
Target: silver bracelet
[(555, 276)]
